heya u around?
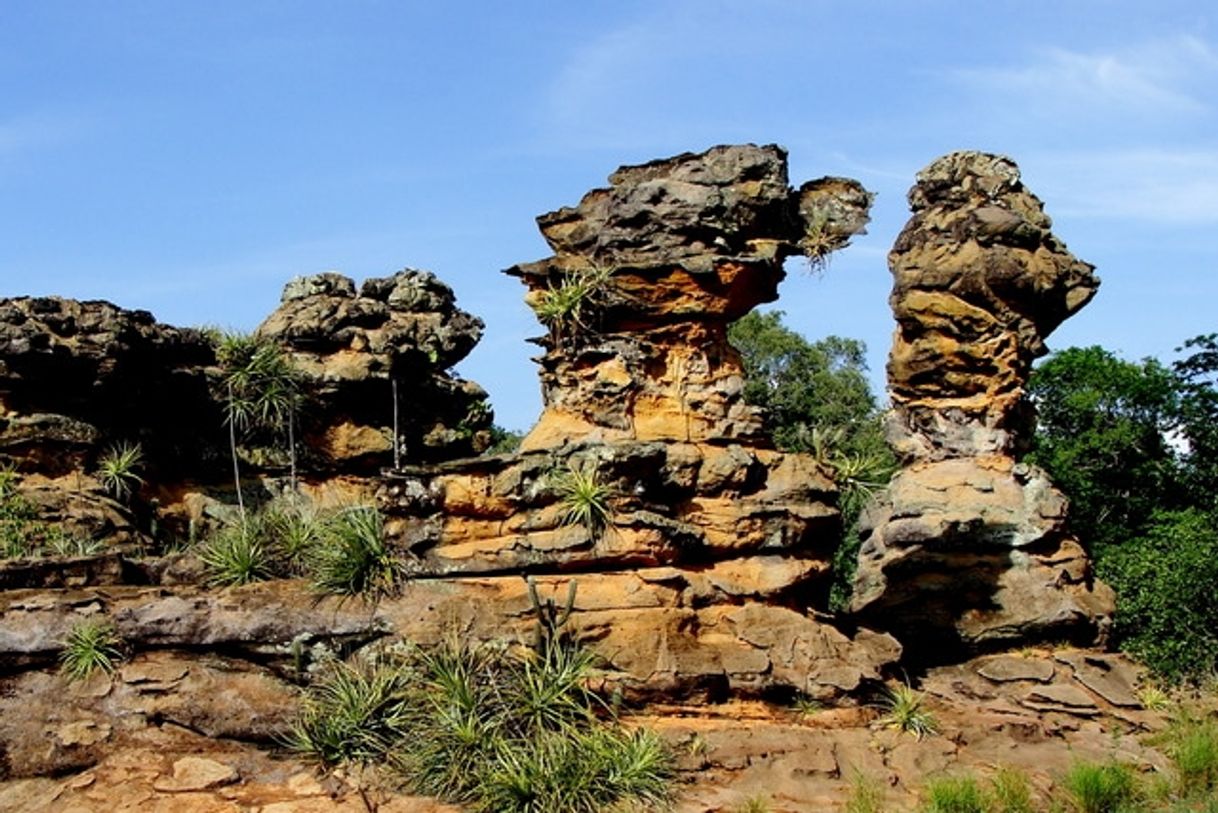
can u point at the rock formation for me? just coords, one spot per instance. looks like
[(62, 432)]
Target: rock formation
[(711, 545), (80, 378), (352, 348), (969, 546)]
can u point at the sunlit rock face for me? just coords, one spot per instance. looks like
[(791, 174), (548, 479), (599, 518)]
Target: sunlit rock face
[(968, 547), (715, 544), (357, 351)]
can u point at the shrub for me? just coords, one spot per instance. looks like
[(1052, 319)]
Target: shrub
[(1164, 582), (91, 645), (495, 729), (903, 711)]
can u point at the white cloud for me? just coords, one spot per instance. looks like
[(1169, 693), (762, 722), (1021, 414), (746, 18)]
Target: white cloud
[(1168, 187), (1169, 76), (31, 131)]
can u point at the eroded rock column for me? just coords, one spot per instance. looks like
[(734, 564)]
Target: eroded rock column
[(715, 545), (968, 547)]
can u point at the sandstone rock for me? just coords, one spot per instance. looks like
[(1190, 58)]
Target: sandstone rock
[(968, 549), (1007, 668), (351, 348), (197, 773), (682, 246)]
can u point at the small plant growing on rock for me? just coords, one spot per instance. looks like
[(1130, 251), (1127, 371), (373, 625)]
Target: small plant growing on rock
[(903, 710), (586, 499), (866, 796), (237, 555), (116, 469), (355, 558), (959, 794), (92, 645), (567, 307), (482, 725)]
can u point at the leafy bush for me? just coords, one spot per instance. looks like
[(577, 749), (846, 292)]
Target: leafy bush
[(91, 645), (496, 729), (1164, 581)]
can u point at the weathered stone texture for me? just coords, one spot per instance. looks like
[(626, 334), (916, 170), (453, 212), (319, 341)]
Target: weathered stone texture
[(968, 547), (351, 346)]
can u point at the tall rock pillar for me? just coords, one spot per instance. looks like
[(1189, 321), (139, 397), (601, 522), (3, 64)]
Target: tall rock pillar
[(968, 547)]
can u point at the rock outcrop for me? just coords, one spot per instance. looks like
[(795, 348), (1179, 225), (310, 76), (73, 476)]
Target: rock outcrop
[(712, 544), (359, 352), (969, 547)]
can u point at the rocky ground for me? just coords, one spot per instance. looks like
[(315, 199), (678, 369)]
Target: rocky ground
[(1036, 711)]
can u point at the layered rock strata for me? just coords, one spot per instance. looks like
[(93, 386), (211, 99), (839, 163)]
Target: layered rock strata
[(969, 546), (378, 354), (648, 472)]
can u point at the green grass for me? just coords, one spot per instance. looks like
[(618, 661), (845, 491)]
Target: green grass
[(91, 645), (1192, 745), (754, 804), (960, 794), (1109, 787), (904, 711), (116, 469), (1011, 792), (866, 796), (487, 727)]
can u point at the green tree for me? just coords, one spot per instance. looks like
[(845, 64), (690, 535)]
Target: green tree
[(1198, 373), (817, 400), (261, 391), (806, 386), (1104, 435)]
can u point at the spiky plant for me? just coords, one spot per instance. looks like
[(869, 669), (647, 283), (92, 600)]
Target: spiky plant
[(91, 645), (236, 555), (355, 558), (261, 389), (568, 307), (585, 499), (489, 728), (904, 711), (116, 469)]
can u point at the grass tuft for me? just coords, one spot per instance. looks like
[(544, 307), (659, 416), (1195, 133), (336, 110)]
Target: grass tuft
[(959, 794), (903, 710), (237, 554), (353, 556), (1100, 788), (91, 645), (116, 469), (586, 500), (509, 731)]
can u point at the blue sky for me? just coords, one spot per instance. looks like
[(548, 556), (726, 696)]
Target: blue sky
[(190, 157)]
